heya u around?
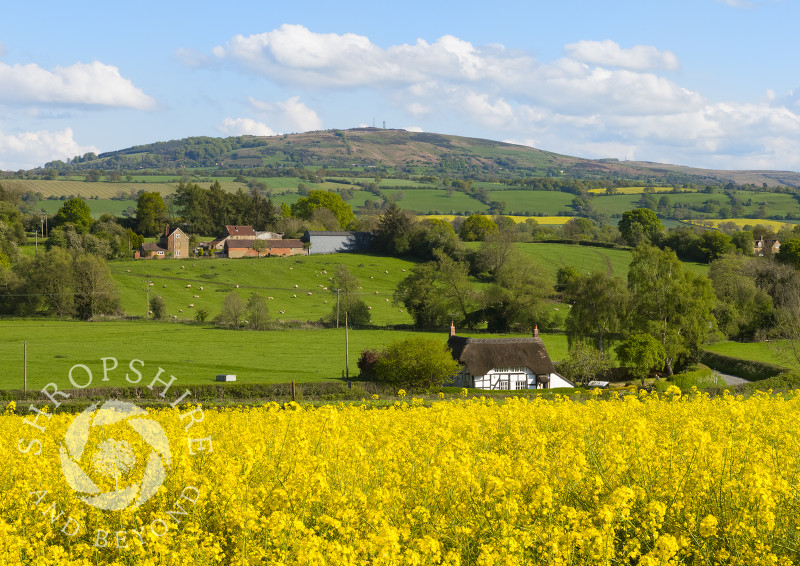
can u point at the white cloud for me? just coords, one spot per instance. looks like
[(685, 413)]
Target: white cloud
[(32, 149), (291, 114), (193, 58), (91, 84), (244, 127), (609, 53), (600, 100)]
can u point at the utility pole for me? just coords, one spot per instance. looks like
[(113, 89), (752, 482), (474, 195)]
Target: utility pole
[(25, 365), (346, 348)]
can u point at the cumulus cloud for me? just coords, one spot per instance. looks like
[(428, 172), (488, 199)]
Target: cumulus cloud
[(244, 127), (609, 53), (292, 113), (31, 149), (599, 100), (89, 84)]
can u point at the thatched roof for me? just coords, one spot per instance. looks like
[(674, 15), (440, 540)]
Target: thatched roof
[(483, 354)]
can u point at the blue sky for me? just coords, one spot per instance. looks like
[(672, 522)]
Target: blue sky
[(704, 83)]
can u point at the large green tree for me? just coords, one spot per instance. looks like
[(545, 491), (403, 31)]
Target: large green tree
[(75, 211), (673, 305), (151, 214), (305, 207), (598, 308), (95, 291), (349, 304), (516, 298), (640, 225), (476, 228)]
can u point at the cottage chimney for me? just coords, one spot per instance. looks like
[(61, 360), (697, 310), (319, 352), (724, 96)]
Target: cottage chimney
[(535, 330), (452, 329), (166, 230)]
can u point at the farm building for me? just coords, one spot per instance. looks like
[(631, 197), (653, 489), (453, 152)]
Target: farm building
[(338, 242), (244, 248), (766, 247), (172, 243), (504, 363)]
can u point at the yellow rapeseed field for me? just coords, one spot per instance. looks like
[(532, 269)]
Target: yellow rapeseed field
[(649, 479)]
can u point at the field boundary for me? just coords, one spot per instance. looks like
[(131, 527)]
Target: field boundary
[(750, 370)]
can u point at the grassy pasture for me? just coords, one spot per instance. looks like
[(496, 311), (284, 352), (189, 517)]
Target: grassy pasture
[(427, 200), (271, 277), (192, 353), (547, 220), (776, 352), (588, 258), (544, 202), (639, 190)]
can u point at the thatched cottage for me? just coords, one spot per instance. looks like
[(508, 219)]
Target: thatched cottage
[(504, 363)]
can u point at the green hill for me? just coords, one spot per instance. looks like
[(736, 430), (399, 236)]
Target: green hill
[(367, 150)]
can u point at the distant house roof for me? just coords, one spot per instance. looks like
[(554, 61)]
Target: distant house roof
[(481, 355), (239, 243), (152, 247), (240, 231)]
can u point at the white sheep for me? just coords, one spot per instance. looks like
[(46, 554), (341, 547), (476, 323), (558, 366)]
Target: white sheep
[(294, 296), (191, 304), (270, 298), (296, 286), (189, 286), (283, 312), (196, 296), (309, 292), (369, 308), (201, 288)]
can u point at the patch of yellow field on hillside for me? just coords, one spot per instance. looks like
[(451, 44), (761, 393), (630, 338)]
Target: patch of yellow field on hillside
[(740, 222), (555, 220)]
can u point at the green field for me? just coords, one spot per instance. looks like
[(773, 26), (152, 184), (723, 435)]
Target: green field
[(549, 203), (777, 352), (436, 201), (193, 354), (588, 258), (211, 279)]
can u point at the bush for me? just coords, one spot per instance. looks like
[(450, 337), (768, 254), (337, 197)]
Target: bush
[(158, 306), (417, 363), (367, 361)]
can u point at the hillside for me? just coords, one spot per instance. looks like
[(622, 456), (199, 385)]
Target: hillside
[(361, 150)]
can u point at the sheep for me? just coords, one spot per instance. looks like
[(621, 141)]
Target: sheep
[(191, 304), (196, 296), (309, 292), (270, 298), (237, 285), (283, 312), (189, 286), (376, 292), (201, 288), (296, 286), (369, 308), (294, 296)]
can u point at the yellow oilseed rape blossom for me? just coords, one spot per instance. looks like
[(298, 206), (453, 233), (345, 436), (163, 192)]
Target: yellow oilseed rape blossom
[(643, 479)]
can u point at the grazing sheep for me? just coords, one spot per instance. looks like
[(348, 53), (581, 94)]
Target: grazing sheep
[(283, 312), (270, 298), (237, 285), (404, 270), (196, 296), (387, 300), (295, 286), (191, 304), (180, 310), (386, 272), (309, 292), (376, 292), (201, 288), (294, 296), (189, 285), (128, 270), (369, 308), (371, 277), (165, 286)]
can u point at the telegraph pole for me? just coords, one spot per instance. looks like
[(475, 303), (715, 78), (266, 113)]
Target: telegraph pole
[(346, 349)]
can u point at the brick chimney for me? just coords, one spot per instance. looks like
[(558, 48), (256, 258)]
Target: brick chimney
[(166, 230), (452, 329), (535, 330)]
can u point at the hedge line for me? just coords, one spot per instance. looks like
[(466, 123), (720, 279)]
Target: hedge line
[(746, 369)]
